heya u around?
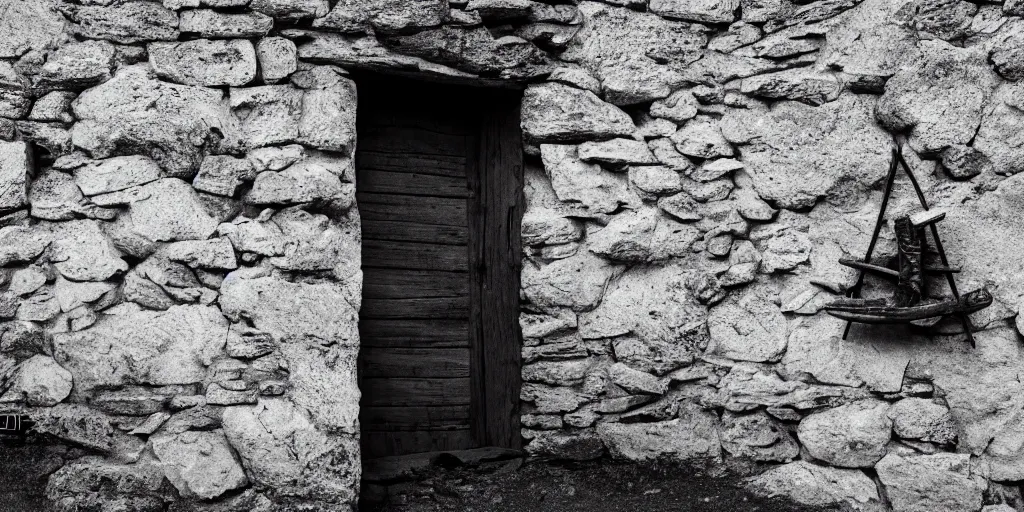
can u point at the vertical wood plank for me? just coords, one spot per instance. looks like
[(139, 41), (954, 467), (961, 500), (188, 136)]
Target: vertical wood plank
[(496, 211)]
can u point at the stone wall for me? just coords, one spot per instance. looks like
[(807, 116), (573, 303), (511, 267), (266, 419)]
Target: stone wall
[(179, 247)]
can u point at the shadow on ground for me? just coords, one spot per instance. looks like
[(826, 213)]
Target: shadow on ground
[(603, 486), (24, 470)]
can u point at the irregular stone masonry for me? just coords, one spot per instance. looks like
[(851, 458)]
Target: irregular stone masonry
[(178, 234)]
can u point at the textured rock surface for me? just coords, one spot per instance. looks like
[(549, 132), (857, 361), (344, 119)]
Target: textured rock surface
[(691, 437), (814, 485), (134, 346), (851, 436), (943, 481), (204, 62), (199, 464)]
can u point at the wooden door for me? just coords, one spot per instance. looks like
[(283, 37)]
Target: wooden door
[(439, 360)]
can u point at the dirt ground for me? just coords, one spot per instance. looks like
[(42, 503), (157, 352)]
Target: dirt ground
[(503, 486), (514, 486)]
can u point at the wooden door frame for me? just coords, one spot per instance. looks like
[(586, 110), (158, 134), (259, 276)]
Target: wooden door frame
[(495, 210)]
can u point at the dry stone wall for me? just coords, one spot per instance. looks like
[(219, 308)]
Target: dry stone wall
[(179, 244)]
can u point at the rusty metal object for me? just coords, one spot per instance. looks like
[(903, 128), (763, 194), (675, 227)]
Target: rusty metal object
[(906, 306)]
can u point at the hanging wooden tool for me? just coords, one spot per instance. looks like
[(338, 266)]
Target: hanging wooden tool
[(907, 305)]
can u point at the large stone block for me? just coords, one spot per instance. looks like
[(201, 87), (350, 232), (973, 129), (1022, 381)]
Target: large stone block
[(748, 329), (15, 166), (125, 23), (128, 345), (635, 55), (211, 23), (794, 167), (27, 26), (693, 436), (577, 282), (819, 486), (575, 181), (136, 114), (939, 97), (171, 211), (850, 436), (920, 483), (199, 464), (281, 449), (205, 62), (554, 112)]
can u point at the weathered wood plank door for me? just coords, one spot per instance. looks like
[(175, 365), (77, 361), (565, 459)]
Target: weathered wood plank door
[(439, 189)]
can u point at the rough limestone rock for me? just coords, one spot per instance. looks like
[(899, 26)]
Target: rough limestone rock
[(277, 59), (54, 107), (939, 97), (642, 236), (291, 9), (78, 65), (14, 171), (747, 329), (136, 114), (818, 486), (553, 112), (95, 483), (577, 282), (315, 242), (785, 251), (1004, 456), (578, 445), (809, 87), (211, 23), (693, 436), (171, 211), (125, 23), (588, 184), (81, 251), (27, 26), (633, 54), (617, 152), (297, 184), (328, 119), (758, 437), (281, 449), (223, 174), (268, 114), (679, 107), (657, 305), (919, 483), (114, 174), (997, 138), (39, 381), (205, 62), (701, 137), (793, 166), (128, 345), (656, 179), (213, 253), (54, 196), (920, 418), (701, 11), (849, 436), (199, 464), (569, 372), (20, 244), (259, 236), (544, 226), (357, 15), (636, 381), (318, 313)]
